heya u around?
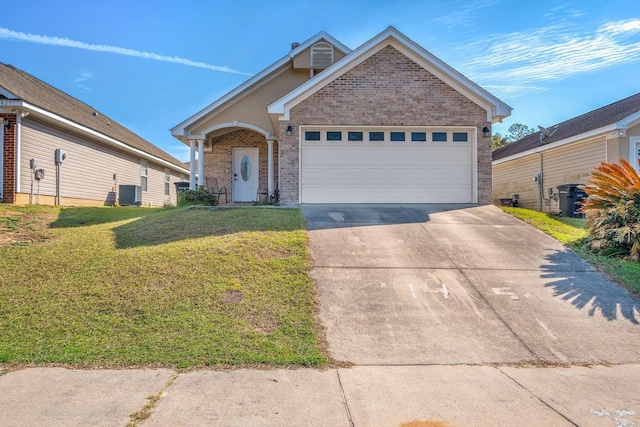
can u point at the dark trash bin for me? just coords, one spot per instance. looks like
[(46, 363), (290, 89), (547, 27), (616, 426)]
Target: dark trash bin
[(181, 186), (571, 197)]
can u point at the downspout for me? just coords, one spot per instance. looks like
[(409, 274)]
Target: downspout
[(540, 186)]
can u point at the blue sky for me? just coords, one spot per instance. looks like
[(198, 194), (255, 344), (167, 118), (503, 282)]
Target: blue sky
[(151, 64)]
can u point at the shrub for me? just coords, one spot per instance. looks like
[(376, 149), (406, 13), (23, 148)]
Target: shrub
[(198, 197), (613, 209)]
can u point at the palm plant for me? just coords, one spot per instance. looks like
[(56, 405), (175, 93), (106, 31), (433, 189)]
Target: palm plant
[(613, 209)]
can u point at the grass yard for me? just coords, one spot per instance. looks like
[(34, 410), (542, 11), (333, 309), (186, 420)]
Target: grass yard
[(572, 232), (156, 287)]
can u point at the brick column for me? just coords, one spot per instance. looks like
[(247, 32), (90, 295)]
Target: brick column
[(9, 160)]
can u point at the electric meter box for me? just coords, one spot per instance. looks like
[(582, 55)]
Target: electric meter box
[(60, 156)]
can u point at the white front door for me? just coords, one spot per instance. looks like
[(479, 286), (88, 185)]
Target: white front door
[(245, 174)]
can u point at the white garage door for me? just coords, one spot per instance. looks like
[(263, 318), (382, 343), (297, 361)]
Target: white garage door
[(387, 165)]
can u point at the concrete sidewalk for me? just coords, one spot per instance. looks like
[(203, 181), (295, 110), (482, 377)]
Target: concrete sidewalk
[(360, 396)]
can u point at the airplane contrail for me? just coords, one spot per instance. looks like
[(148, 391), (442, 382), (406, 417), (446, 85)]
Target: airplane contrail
[(6, 33)]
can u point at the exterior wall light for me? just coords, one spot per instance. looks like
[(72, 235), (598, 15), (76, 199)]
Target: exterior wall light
[(486, 132), (6, 124), (289, 130)]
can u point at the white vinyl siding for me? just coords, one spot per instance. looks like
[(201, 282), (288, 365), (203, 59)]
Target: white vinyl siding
[(394, 170), (89, 169)]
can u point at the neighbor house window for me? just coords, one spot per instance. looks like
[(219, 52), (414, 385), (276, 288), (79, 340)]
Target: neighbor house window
[(355, 136), (418, 136), (167, 182), (439, 137), (460, 137), (397, 136), (334, 136), (144, 174), (312, 136), (376, 136)]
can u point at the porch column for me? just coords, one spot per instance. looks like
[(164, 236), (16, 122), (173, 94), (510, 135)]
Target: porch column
[(200, 162), (270, 165), (192, 164)]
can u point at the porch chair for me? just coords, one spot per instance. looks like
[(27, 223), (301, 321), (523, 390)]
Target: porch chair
[(212, 185)]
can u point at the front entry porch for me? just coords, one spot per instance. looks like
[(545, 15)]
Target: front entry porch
[(242, 160)]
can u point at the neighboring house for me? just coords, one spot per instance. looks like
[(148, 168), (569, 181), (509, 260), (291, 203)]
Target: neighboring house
[(574, 148), (101, 155), (386, 122)]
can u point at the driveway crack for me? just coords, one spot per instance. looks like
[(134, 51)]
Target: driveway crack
[(344, 400), (537, 397)]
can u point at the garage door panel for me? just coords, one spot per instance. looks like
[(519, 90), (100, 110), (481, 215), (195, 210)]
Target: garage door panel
[(386, 172)]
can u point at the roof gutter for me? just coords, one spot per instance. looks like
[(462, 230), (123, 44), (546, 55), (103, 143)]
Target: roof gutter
[(39, 111)]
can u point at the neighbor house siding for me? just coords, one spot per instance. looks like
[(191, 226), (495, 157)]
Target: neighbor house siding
[(86, 178), (516, 177), (387, 89), (565, 165), (218, 163)]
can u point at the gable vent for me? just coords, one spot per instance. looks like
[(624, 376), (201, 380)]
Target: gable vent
[(321, 55)]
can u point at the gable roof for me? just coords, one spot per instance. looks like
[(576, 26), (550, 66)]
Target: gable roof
[(496, 109), (179, 131), (40, 97), (616, 116)]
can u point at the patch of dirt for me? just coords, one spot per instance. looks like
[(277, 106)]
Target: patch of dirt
[(232, 296), (22, 228)]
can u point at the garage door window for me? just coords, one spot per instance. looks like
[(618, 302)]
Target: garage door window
[(334, 136), (376, 136), (355, 136), (397, 137), (439, 137), (418, 136), (312, 136), (460, 137)]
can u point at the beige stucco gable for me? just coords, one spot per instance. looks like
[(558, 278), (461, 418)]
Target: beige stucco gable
[(250, 107)]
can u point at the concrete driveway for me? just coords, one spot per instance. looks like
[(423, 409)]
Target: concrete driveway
[(439, 284)]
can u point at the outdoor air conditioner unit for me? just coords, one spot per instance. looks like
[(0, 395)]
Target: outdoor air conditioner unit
[(130, 195)]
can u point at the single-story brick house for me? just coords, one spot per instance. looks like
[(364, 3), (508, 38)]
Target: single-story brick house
[(567, 156), (386, 122), (55, 149)]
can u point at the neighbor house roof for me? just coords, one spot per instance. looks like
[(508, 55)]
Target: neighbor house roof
[(33, 94), (496, 109), (616, 116)]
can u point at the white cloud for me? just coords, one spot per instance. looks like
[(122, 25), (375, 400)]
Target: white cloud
[(58, 41), (82, 79), (528, 59)]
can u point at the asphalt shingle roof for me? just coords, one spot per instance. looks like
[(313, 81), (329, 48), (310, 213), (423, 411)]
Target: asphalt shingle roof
[(36, 92), (595, 119)]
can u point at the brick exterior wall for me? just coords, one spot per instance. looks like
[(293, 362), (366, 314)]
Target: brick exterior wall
[(220, 158), (387, 89), (9, 156)]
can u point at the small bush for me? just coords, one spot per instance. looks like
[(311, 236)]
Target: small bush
[(613, 209), (198, 197)]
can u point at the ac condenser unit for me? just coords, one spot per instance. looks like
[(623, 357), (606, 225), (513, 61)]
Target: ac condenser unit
[(130, 195)]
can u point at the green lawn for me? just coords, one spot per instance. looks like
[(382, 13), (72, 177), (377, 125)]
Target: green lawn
[(156, 287), (572, 232)]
